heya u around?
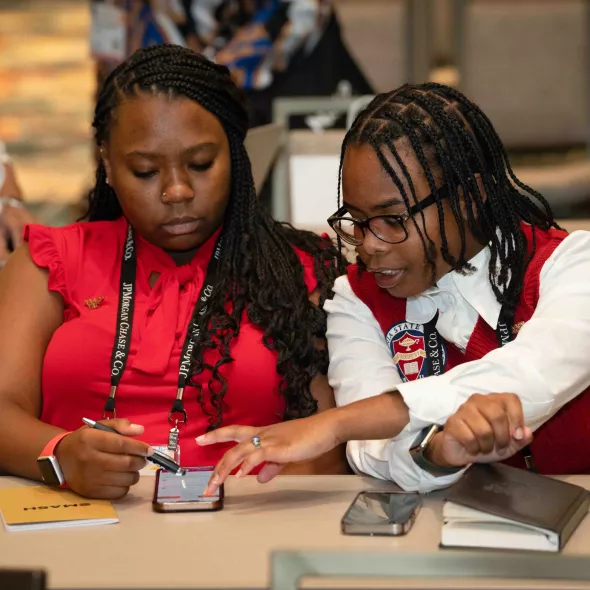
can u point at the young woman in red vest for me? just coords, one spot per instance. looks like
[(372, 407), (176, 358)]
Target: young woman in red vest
[(464, 284)]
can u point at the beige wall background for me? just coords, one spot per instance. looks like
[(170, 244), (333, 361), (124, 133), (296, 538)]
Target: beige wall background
[(46, 95)]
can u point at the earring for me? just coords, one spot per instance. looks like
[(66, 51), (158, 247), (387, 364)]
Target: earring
[(107, 181), (163, 194)]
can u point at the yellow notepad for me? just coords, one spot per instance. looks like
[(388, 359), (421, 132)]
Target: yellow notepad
[(40, 507)]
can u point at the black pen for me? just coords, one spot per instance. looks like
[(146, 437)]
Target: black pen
[(158, 458)]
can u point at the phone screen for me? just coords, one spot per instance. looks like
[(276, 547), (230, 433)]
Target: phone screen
[(186, 488), (379, 508)]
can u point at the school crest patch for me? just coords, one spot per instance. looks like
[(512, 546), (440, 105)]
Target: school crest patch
[(408, 347)]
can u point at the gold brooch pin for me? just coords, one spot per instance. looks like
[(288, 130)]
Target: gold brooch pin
[(516, 328), (93, 303)]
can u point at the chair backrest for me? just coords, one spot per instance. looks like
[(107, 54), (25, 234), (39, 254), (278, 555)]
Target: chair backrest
[(376, 35), (526, 63), (262, 144)]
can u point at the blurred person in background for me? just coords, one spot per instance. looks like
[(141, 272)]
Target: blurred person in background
[(13, 215), (272, 47)]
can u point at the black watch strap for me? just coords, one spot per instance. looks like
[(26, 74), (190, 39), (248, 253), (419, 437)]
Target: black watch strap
[(419, 447)]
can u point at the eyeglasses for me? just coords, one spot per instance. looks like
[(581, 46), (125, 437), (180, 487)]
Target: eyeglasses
[(388, 228)]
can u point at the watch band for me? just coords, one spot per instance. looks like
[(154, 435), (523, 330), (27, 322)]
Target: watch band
[(49, 451), (419, 447)]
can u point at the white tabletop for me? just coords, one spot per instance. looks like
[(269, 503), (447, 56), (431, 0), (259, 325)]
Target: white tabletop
[(226, 549)]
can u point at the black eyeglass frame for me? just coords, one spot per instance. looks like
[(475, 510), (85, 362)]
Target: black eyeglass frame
[(442, 193)]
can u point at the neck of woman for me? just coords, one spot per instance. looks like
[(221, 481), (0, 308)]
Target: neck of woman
[(183, 257)]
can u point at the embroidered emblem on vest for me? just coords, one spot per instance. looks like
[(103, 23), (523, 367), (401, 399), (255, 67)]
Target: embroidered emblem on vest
[(408, 348), (93, 303)]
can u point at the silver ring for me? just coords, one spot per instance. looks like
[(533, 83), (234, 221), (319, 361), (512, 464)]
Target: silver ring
[(256, 441)]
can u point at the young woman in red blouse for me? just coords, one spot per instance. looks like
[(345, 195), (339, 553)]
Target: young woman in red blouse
[(182, 304)]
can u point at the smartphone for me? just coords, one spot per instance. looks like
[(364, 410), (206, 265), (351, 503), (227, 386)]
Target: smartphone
[(184, 493), (381, 513)]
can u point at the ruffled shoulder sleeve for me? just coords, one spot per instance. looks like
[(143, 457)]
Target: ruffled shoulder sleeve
[(47, 246), (78, 256)]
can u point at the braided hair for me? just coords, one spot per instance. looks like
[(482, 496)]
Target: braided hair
[(259, 272), (451, 136)]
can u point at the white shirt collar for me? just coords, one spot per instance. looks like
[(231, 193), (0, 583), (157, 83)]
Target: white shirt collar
[(477, 290), (454, 289)]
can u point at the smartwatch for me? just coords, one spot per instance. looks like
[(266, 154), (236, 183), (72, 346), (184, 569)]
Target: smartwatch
[(418, 449), (48, 465)]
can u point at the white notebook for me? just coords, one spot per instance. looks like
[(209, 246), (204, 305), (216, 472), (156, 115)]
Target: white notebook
[(466, 527), (501, 507)]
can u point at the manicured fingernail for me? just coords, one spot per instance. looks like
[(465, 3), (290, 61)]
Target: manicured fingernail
[(201, 439), (149, 452), (239, 473), (211, 486), (138, 428), (518, 434)]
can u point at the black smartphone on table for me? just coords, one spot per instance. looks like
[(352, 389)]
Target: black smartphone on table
[(184, 493), (381, 513)]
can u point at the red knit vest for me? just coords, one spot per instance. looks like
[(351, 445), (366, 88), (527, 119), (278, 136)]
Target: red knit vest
[(560, 446)]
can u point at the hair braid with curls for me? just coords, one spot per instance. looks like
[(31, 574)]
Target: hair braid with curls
[(259, 271), (451, 136)]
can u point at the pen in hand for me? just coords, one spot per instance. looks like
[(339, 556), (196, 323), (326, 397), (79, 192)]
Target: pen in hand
[(157, 457)]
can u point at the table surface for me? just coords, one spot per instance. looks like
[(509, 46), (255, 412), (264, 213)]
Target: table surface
[(226, 549)]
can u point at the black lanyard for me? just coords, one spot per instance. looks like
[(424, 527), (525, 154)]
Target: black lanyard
[(434, 356), (434, 344), (125, 323)]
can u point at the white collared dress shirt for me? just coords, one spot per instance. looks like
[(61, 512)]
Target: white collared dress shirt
[(546, 365)]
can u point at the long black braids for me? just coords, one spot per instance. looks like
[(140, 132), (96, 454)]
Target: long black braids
[(260, 272), (451, 137)]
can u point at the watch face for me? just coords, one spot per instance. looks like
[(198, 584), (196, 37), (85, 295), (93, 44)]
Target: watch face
[(49, 469)]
